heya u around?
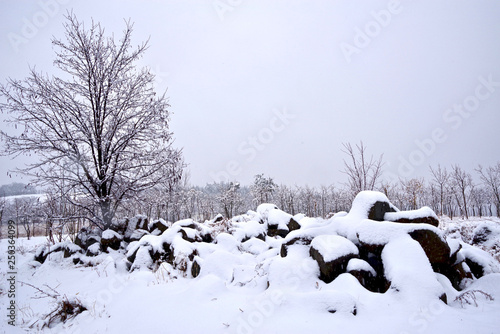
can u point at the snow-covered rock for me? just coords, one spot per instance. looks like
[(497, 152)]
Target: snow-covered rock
[(479, 261), (111, 239), (409, 271), (370, 205), (250, 229), (487, 234), (423, 215), (263, 210), (332, 253)]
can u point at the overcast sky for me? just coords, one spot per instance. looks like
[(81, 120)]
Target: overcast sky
[(276, 87)]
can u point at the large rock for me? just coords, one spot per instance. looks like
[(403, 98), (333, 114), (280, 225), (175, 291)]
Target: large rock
[(372, 205), (364, 273), (192, 231), (455, 247), (142, 258), (479, 261), (111, 239), (379, 209), (119, 225), (332, 253), (280, 229), (188, 234), (94, 249), (263, 211), (275, 231), (67, 248), (436, 249), (408, 270), (246, 230), (136, 235), (280, 223), (302, 240), (420, 220), (372, 254), (140, 222), (458, 274), (487, 233), (293, 225), (71, 249), (159, 224), (86, 237), (424, 215)]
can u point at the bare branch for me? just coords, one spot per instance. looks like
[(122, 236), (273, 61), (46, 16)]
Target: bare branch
[(362, 173)]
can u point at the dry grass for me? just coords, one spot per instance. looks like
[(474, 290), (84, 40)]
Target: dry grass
[(470, 297), (65, 310)]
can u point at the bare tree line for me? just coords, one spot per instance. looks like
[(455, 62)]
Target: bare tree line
[(449, 191)]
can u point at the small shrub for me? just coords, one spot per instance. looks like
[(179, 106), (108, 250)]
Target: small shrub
[(470, 297), (65, 310)]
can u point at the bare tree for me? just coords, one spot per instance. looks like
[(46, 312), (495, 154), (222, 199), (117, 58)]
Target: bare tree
[(263, 188), (441, 179), (101, 121), (286, 198), (363, 173), (462, 182), (491, 179), (413, 190), (307, 200), (325, 194), (478, 198), (27, 210), (229, 197)]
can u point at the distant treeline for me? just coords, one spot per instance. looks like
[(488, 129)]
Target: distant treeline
[(16, 188)]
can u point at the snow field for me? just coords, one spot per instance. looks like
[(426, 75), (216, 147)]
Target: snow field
[(246, 284)]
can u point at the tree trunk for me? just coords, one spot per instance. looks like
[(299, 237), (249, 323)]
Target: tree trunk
[(107, 214), (442, 200), (465, 205)]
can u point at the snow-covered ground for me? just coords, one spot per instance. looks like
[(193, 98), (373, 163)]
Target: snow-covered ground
[(247, 286), (474, 227)]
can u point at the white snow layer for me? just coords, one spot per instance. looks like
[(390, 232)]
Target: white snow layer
[(263, 210), (363, 202), (413, 214), (409, 270), (332, 247), (110, 234), (360, 265)]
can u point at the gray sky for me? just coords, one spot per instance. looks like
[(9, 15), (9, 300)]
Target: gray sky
[(276, 87)]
